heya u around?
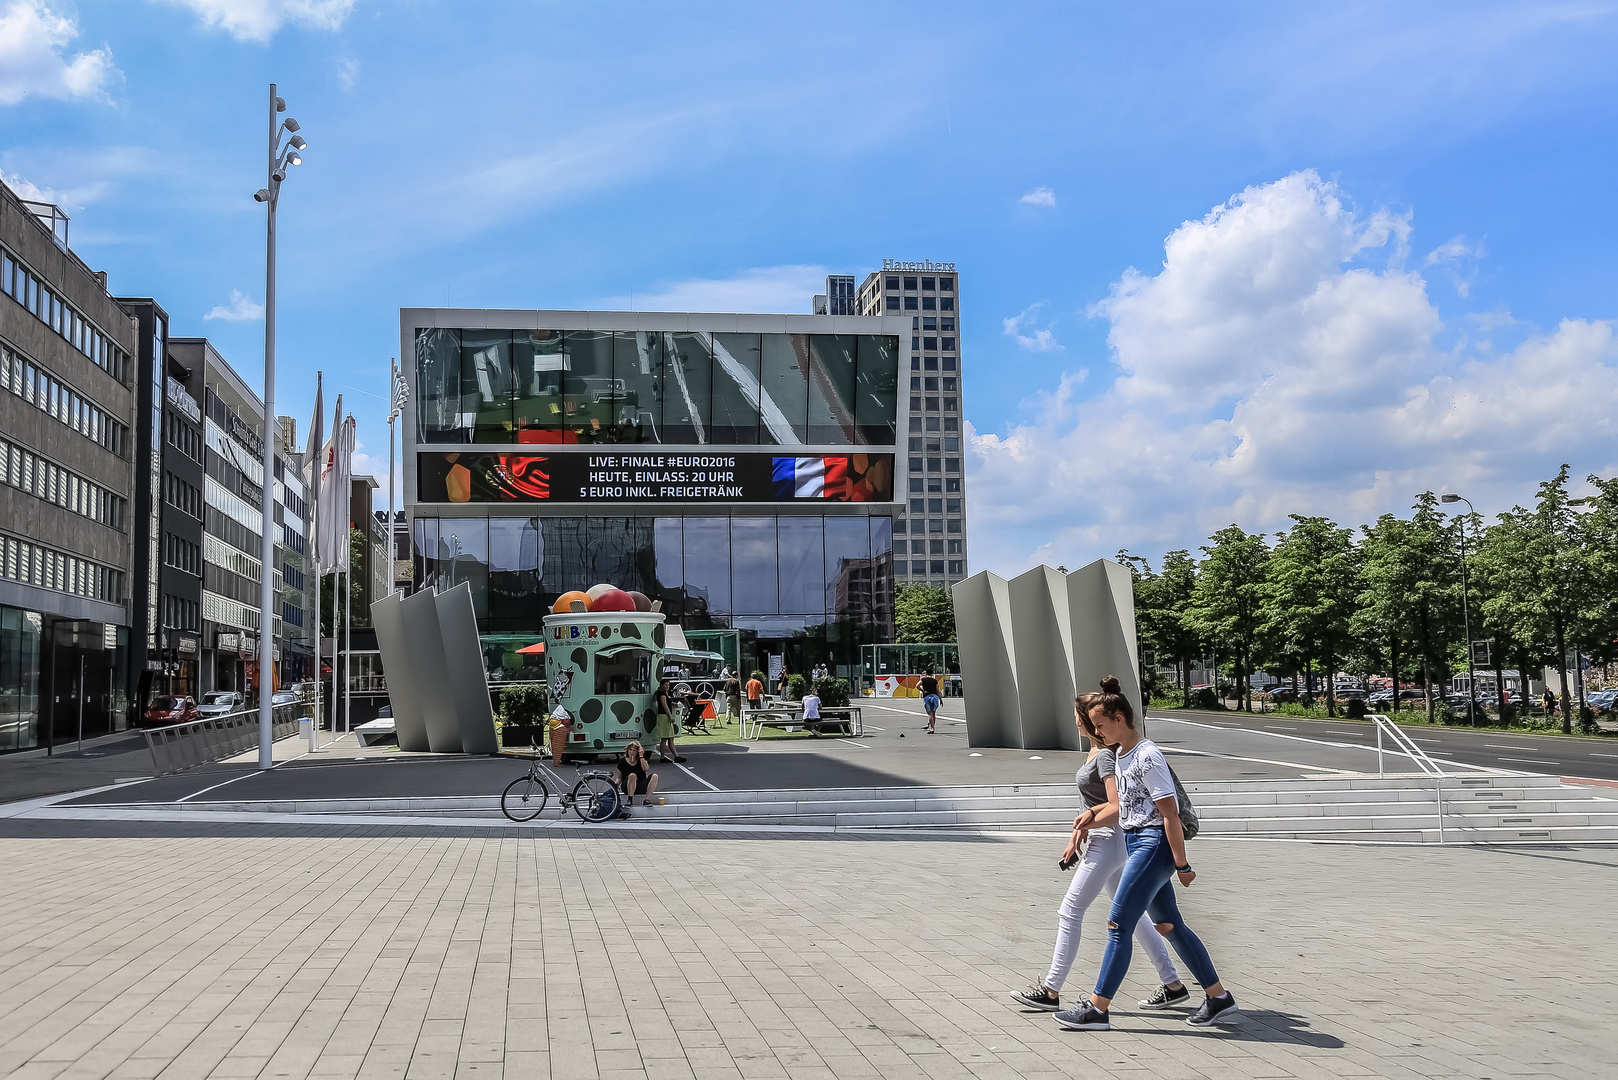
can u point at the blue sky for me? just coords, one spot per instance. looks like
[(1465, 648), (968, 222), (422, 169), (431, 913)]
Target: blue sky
[(1407, 284)]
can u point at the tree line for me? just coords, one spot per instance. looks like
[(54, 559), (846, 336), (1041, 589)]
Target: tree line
[(1540, 583)]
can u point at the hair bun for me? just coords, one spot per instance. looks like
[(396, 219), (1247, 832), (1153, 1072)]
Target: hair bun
[(1110, 685)]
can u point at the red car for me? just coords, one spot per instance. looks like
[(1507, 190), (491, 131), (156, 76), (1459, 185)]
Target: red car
[(165, 710)]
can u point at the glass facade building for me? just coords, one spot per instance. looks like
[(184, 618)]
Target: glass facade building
[(738, 469)]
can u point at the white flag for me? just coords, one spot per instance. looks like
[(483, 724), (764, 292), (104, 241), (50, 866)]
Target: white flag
[(336, 466)]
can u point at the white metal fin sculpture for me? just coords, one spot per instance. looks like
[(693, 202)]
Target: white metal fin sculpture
[(1030, 644)]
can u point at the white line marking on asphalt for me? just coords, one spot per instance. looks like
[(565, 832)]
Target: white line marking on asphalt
[(1529, 760), (244, 776), (1592, 755), (1260, 761), (695, 777), (1316, 742)]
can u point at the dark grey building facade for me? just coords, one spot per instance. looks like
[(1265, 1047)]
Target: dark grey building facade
[(67, 487)]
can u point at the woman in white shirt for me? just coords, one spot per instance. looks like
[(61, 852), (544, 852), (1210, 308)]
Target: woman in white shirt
[(1099, 866), (1149, 813)]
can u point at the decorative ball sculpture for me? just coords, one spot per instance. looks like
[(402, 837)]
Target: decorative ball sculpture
[(613, 600), (595, 591), (564, 603), (642, 601)]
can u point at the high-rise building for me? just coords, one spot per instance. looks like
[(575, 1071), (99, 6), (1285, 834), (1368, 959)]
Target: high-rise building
[(929, 533), (67, 485)]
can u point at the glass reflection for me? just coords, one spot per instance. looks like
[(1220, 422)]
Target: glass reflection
[(438, 387), (637, 372), (784, 389), (668, 565), (590, 395), (425, 556), (538, 363), (801, 543), (753, 566), (688, 378), (848, 567), (486, 384), (565, 550), (831, 388), (882, 577), (876, 401), (707, 566), (463, 545), (736, 359), (516, 553)]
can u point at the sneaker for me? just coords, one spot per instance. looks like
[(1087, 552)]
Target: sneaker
[(1037, 996), (623, 812), (1214, 1011), (1085, 1018), (1166, 997)]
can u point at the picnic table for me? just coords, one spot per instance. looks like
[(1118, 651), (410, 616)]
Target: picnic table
[(790, 717)]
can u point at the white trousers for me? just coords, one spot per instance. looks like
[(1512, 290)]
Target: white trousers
[(1100, 866)]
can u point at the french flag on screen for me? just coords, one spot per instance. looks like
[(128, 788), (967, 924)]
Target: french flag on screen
[(811, 478)]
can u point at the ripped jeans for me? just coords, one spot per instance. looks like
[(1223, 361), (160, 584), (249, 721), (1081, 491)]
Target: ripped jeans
[(1146, 887), (1102, 862)]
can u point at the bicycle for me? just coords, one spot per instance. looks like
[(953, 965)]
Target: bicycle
[(594, 797)]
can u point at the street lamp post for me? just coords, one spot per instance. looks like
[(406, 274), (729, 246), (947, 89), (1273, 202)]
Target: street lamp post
[(1466, 616), (280, 156)]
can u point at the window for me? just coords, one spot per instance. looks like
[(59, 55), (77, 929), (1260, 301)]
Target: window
[(957, 566), (918, 547), (949, 385), (934, 485), (932, 404), (952, 506), (932, 446), (893, 283), (935, 506), (952, 484), (954, 525), (949, 344), (898, 526), (915, 363), (910, 283), (929, 323), (949, 404), (915, 464), (918, 506), (927, 284), (915, 423), (930, 344), (910, 303), (932, 384), (933, 464), (918, 568), (938, 566), (935, 547), (952, 464), (930, 363), (946, 284), (932, 423), (946, 324), (930, 303), (915, 482), (946, 303), (893, 303), (915, 344), (952, 423), (915, 445), (956, 547), (949, 363), (915, 404), (915, 383)]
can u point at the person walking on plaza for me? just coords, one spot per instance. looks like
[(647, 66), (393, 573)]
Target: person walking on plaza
[(929, 699), (1099, 866), (733, 699), (1149, 812), (667, 726)]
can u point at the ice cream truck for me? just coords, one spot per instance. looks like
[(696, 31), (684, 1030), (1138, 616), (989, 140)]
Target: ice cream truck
[(602, 668)]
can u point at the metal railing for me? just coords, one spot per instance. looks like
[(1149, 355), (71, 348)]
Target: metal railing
[(1404, 744), (178, 747)]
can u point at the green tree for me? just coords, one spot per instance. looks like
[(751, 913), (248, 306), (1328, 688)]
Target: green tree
[(923, 613), (356, 590), (1542, 580), (1227, 602), (1309, 595), (1163, 611)]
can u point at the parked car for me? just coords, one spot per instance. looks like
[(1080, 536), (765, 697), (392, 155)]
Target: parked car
[(166, 709), (1348, 693), (220, 702), (284, 697), (1279, 694)]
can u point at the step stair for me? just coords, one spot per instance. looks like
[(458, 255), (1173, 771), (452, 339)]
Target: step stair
[(1501, 808)]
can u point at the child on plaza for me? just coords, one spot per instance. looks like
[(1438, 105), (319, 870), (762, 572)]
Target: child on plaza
[(1099, 866), (1149, 812)]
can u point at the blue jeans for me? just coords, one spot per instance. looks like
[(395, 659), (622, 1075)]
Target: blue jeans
[(1146, 887)]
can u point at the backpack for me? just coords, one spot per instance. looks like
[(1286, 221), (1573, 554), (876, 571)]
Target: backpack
[(1190, 824)]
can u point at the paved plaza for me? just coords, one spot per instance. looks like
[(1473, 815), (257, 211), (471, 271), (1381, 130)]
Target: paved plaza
[(138, 951)]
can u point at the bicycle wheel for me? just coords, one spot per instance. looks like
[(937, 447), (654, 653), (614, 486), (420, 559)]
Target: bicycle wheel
[(525, 798), (594, 798)]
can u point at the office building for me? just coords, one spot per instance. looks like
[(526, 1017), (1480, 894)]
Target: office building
[(929, 531), (66, 486), (738, 469), (231, 512), (374, 566)]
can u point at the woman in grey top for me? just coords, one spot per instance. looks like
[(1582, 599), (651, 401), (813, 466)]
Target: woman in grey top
[(1099, 866)]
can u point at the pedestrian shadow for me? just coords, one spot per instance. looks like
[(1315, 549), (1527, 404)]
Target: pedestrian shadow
[(1251, 1025)]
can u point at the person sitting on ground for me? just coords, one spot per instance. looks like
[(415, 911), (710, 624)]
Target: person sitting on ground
[(635, 774)]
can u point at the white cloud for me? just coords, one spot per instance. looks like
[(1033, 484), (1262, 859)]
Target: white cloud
[(1040, 196), (1265, 370), (27, 189), (767, 290), (258, 20), (1459, 258), (32, 58), (348, 73), (1037, 340), (241, 308)]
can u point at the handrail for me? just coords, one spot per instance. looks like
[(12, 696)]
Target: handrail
[(1405, 744), (177, 747)]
